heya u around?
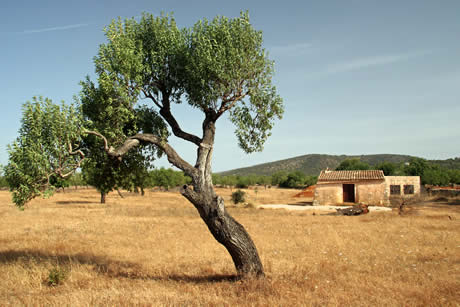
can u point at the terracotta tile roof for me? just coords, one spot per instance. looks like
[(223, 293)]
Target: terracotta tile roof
[(351, 175)]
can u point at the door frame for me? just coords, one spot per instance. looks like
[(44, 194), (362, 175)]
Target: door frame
[(348, 190)]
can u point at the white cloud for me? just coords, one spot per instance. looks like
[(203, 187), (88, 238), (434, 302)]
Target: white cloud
[(291, 50), (79, 25), (366, 62)]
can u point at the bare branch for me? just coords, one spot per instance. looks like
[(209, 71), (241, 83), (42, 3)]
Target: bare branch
[(106, 145), (173, 156), (148, 95), (74, 166), (165, 112)]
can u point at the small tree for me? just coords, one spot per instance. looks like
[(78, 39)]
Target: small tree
[(238, 197)]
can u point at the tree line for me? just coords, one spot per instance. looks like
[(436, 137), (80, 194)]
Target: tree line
[(169, 178), (429, 172)]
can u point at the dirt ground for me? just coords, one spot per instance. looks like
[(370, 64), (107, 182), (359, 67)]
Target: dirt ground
[(155, 250)]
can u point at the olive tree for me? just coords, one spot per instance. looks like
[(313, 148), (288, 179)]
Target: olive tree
[(217, 67)]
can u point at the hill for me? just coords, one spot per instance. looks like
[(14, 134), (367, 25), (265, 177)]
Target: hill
[(312, 164)]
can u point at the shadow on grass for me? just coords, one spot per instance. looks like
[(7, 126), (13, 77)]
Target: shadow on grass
[(302, 203), (73, 202), (105, 266)]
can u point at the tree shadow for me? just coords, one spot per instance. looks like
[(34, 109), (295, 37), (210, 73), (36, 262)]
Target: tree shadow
[(302, 203), (108, 267), (73, 202)]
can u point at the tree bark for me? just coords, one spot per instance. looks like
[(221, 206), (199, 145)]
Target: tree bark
[(103, 197), (119, 193), (227, 231)]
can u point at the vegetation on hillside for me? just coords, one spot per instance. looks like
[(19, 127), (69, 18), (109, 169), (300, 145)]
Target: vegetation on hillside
[(436, 172), (429, 172)]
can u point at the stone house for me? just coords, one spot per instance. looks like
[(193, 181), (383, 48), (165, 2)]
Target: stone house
[(370, 187)]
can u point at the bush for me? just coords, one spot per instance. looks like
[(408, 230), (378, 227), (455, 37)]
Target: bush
[(238, 197), (56, 276)]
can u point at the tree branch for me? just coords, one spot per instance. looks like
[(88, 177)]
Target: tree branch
[(173, 156), (166, 114), (148, 95), (229, 102), (106, 145), (74, 166)]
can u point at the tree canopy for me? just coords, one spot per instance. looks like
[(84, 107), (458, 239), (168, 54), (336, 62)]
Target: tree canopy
[(48, 146)]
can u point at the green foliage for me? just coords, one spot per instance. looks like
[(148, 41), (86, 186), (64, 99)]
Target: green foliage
[(214, 61), (217, 66), (101, 172), (454, 176), (279, 177), (352, 164), (416, 167), (429, 172), (76, 179), (388, 168), (56, 276), (238, 197), (310, 180), (293, 180), (3, 182), (48, 136), (58, 182), (435, 176), (243, 182), (297, 179), (226, 59), (167, 178)]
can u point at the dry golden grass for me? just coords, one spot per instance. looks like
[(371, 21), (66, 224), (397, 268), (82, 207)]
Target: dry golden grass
[(155, 250)]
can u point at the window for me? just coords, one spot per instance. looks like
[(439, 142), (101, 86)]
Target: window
[(395, 189), (408, 189)]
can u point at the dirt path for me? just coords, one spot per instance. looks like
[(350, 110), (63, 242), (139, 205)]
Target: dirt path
[(316, 208)]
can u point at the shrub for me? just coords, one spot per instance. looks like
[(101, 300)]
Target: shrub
[(56, 276), (238, 197)]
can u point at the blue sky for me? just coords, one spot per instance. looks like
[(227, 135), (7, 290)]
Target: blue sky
[(357, 76)]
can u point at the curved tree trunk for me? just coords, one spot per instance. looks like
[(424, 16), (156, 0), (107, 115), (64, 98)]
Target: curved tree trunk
[(231, 234), (227, 231)]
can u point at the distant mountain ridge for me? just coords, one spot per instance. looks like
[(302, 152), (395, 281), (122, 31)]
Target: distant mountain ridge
[(312, 164)]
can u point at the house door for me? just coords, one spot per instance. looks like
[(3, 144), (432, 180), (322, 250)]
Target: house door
[(348, 193)]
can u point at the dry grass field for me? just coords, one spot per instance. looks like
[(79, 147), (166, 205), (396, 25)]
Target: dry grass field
[(155, 250)]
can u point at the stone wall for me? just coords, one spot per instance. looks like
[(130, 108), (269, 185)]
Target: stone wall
[(401, 181), (367, 192), (328, 194), (370, 192)]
